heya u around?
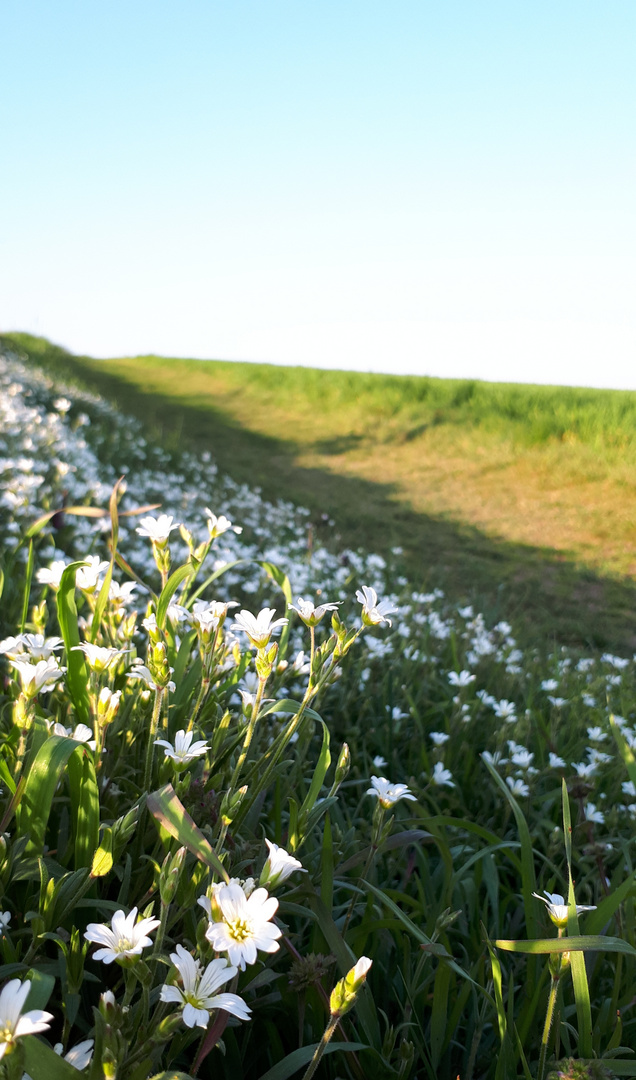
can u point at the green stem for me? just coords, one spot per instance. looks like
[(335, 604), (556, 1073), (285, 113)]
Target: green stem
[(322, 1046), (545, 1038), (248, 734), (156, 713), (375, 839)]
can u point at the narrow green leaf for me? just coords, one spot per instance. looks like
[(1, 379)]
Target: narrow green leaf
[(76, 511), (439, 1013), (103, 857), (625, 750), (324, 761), (435, 948), (579, 973), (102, 599), (84, 806), (44, 775), (169, 589), (580, 943), (169, 811), (28, 578), (596, 920), (212, 577), (77, 675), (301, 1057), (528, 880)]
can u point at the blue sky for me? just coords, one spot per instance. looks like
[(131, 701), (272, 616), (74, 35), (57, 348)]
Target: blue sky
[(405, 186)]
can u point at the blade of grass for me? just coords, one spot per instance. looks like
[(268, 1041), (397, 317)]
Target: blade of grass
[(77, 674), (579, 972)]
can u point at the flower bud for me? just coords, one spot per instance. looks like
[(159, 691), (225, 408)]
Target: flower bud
[(343, 995), (344, 763), (170, 876), (231, 803)]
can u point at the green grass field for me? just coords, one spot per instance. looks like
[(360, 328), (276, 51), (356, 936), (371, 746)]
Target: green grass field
[(520, 498)]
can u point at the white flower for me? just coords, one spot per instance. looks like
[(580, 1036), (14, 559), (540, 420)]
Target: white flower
[(558, 702), (441, 776), (439, 737), (522, 758), (126, 938), (87, 576), (99, 657), (558, 908), (505, 710), (517, 787), (198, 997), (34, 677), (219, 525), (596, 734), (589, 701), (14, 1024), (259, 628), (379, 762), (461, 678), (594, 815), (549, 684), (245, 925), (34, 646), (387, 793), (628, 786), (5, 919), (82, 734), (310, 614), (556, 762), (140, 671), (184, 750), (157, 529), (52, 575), (280, 864), (79, 1056), (374, 612), (584, 769), (121, 593)]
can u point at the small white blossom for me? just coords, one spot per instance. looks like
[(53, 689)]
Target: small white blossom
[(157, 529), (310, 614), (184, 750), (439, 737), (123, 938), (35, 677), (245, 926), (442, 777), (558, 908), (259, 628), (556, 762), (99, 657), (387, 793), (198, 996), (279, 865), (13, 1022), (374, 612), (517, 786), (461, 678), (594, 815), (219, 525), (52, 575), (87, 577)]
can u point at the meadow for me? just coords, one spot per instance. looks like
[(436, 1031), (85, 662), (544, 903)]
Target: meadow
[(519, 499), (271, 806)]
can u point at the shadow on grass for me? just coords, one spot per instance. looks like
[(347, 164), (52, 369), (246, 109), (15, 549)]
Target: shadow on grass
[(546, 595)]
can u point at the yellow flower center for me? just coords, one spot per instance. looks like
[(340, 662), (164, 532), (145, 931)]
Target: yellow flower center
[(240, 929)]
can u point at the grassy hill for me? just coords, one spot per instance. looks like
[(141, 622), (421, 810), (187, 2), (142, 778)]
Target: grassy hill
[(520, 498)]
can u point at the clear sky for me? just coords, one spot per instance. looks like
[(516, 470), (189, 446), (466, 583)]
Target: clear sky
[(444, 188)]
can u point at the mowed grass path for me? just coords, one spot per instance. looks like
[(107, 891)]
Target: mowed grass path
[(521, 498)]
